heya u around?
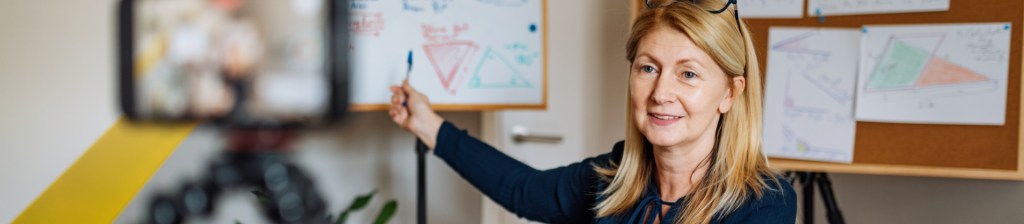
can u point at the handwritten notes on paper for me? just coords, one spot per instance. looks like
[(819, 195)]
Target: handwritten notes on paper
[(853, 7), (809, 94), (770, 8), (939, 73), (820, 82)]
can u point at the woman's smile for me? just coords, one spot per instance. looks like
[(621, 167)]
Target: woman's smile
[(661, 119)]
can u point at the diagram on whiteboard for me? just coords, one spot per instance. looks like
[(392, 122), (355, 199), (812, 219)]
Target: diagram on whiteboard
[(483, 52), (810, 93), (951, 74), (495, 71), (448, 54)]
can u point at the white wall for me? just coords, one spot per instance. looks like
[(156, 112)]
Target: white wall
[(56, 91), (363, 152), (57, 96), (898, 199)]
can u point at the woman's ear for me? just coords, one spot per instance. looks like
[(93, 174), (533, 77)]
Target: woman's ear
[(739, 83)]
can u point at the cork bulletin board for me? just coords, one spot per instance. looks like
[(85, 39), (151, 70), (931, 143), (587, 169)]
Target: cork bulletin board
[(957, 151)]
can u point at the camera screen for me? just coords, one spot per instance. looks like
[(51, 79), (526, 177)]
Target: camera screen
[(235, 60)]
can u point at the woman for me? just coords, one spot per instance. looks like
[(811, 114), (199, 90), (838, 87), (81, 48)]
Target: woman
[(692, 152)]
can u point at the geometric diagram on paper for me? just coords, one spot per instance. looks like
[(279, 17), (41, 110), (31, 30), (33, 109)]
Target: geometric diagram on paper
[(798, 44), (495, 71), (447, 58), (809, 71), (795, 143), (906, 65), (504, 2), (367, 23), (812, 98)]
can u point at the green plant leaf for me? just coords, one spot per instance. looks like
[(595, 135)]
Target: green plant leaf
[(262, 196), (387, 212), (360, 203)]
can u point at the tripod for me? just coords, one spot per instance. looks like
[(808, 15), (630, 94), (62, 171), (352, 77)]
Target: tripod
[(421, 182), (254, 160), (807, 181)]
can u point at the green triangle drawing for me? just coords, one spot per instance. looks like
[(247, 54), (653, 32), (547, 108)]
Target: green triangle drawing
[(495, 71), (899, 67)]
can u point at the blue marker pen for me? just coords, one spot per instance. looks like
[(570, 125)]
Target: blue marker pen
[(408, 61)]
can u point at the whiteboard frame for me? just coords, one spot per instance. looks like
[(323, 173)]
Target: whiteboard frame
[(487, 107)]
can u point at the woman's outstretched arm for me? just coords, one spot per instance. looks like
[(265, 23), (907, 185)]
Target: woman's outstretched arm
[(560, 195)]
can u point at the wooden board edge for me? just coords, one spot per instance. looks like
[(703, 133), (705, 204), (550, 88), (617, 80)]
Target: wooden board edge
[(544, 53), (897, 170), (1020, 133)]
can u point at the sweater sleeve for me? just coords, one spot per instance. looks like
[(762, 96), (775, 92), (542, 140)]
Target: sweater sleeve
[(777, 205), (559, 195)]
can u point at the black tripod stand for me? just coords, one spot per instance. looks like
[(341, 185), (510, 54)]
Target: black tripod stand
[(807, 181), (421, 182), (253, 162)]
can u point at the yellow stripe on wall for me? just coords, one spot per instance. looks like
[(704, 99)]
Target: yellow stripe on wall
[(101, 183)]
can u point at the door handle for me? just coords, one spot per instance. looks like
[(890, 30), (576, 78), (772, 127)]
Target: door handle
[(520, 135)]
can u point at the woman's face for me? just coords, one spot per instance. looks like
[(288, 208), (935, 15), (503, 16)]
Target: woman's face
[(677, 90)]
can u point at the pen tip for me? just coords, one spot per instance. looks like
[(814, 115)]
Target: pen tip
[(409, 58)]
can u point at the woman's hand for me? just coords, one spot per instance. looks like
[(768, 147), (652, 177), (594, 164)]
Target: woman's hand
[(416, 116)]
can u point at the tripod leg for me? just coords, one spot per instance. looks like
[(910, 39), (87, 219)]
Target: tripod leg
[(831, 208), (421, 182), (807, 183)]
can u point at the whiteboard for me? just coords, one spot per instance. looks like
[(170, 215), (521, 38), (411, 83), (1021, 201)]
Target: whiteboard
[(467, 55)]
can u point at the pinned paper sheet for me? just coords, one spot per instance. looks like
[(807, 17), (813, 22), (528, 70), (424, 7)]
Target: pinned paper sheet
[(940, 74), (855, 7), (771, 8), (809, 96)]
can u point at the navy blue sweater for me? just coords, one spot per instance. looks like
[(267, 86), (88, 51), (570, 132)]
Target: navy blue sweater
[(567, 194)]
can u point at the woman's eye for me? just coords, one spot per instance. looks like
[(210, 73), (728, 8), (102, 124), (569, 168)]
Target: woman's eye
[(689, 75), (647, 69)]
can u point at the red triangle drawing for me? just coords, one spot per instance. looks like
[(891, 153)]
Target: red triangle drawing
[(447, 57), (943, 72)]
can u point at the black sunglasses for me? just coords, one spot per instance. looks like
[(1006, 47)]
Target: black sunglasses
[(735, 11)]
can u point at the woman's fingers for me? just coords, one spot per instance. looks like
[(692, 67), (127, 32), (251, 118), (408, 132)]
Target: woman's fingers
[(398, 117), (408, 89), (399, 114), (413, 96)]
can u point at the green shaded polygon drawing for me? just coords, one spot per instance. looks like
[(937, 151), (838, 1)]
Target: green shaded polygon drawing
[(899, 68), (495, 71)]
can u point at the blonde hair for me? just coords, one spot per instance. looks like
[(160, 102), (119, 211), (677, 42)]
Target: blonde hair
[(736, 165)]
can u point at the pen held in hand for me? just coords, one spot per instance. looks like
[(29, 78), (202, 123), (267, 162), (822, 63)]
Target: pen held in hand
[(408, 61)]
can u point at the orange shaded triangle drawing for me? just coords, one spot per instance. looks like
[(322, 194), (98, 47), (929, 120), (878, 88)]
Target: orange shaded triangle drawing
[(943, 72), (447, 57)]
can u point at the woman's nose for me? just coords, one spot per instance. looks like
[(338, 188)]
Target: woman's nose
[(664, 89)]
